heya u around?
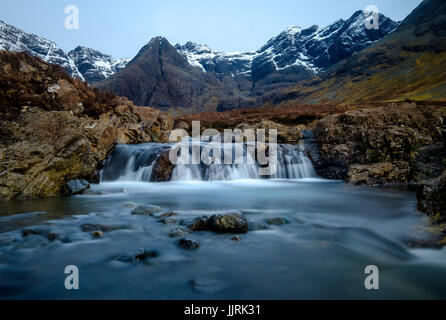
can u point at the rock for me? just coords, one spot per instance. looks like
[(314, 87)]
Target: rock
[(178, 232), (97, 234), (128, 205), (189, 244), (90, 227), (146, 210), (168, 221), (29, 232), (236, 239), (228, 223), (397, 144), (52, 137), (285, 134), (139, 255), (168, 215), (162, 169), (53, 236), (77, 186), (277, 221), (199, 224), (432, 198)]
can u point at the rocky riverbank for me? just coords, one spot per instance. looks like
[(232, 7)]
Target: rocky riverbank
[(55, 129), (400, 145)]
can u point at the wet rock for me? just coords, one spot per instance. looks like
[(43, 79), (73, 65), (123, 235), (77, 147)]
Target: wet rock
[(88, 227), (188, 244), (146, 210), (178, 232), (139, 255), (97, 234), (129, 205), (77, 186), (162, 169), (168, 221), (53, 236), (168, 215), (277, 221), (257, 227), (29, 232), (236, 239), (432, 198), (199, 224), (228, 223)]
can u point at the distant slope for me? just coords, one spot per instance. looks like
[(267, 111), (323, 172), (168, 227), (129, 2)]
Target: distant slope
[(408, 64)]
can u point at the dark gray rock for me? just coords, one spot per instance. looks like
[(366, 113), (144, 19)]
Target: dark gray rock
[(189, 244)]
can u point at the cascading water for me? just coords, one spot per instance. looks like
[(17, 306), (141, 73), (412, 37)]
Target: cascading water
[(136, 162)]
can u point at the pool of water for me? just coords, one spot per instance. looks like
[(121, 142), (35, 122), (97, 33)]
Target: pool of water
[(333, 232)]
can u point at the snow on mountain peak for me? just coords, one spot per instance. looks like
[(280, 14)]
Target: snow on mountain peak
[(75, 63)]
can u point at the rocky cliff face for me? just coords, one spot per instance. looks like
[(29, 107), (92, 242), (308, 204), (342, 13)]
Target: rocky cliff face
[(55, 129), (81, 63), (388, 145)]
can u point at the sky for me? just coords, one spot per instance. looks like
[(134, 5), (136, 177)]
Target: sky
[(122, 28)]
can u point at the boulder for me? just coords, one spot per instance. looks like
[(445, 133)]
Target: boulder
[(146, 210), (228, 223)]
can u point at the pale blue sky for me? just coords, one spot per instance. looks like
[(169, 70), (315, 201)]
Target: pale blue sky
[(121, 28)]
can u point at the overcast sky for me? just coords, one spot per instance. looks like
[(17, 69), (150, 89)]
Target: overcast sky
[(121, 28)]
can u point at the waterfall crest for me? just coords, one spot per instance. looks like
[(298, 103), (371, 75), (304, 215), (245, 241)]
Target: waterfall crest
[(136, 163)]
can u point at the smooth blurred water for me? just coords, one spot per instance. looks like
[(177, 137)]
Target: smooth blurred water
[(334, 232)]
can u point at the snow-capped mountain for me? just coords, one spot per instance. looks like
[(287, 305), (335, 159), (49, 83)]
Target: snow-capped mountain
[(81, 63), (94, 65), (227, 63), (294, 54), (15, 40)]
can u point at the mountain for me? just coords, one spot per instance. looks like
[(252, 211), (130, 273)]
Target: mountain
[(94, 65), (161, 76), (81, 63), (200, 79), (409, 64)]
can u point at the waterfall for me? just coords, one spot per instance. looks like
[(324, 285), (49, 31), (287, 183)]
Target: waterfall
[(136, 163)]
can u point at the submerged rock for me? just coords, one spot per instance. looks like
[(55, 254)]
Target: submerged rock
[(188, 244), (146, 210), (178, 232), (277, 221), (229, 223), (168, 221), (139, 255)]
